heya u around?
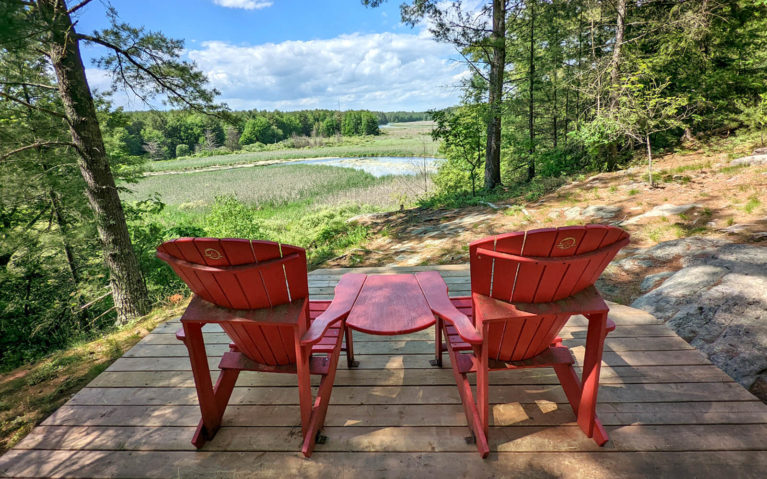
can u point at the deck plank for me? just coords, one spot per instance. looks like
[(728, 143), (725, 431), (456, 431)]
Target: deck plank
[(669, 413)]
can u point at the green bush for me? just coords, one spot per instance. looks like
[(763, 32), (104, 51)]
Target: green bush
[(182, 150), (229, 218)]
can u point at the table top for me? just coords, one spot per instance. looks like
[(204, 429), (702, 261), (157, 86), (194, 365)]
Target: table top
[(390, 304)]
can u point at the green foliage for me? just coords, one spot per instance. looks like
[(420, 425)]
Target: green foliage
[(463, 134), (182, 150), (754, 115), (260, 130), (229, 218)]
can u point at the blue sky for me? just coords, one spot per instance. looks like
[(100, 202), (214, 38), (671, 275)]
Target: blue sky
[(296, 54)]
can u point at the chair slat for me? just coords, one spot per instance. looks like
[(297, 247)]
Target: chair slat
[(277, 344), (295, 272), (541, 340), (189, 277), (248, 284), (505, 274), (273, 275), (537, 243), (243, 341), (508, 342), (481, 268), (529, 328)]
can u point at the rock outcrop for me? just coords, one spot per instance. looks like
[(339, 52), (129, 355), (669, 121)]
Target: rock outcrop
[(717, 302)]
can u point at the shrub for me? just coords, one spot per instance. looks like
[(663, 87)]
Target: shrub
[(182, 150)]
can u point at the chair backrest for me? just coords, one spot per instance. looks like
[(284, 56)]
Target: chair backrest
[(539, 266), (244, 274)]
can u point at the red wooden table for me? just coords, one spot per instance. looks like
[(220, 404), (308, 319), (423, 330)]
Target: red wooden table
[(389, 305)]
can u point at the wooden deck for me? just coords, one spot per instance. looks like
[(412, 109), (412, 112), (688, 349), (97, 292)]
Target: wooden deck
[(668, 410)]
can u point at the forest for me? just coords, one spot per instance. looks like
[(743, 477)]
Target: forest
[(162, 135), (557, 88), (587, 85)]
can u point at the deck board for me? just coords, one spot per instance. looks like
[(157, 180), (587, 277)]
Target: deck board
[(667, 409)]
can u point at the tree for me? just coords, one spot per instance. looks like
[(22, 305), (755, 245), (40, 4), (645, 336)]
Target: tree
[(259, 129), (642, 110), (754, 115), (461, 132), (484, 48), (232, 141), (144, 63)]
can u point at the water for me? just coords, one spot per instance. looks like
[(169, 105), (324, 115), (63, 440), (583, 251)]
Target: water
[(380, 165)]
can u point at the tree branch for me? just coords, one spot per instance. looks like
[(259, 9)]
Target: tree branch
[(29, 105), (159, 80), (78, 7), (38, 144), (38, 85)]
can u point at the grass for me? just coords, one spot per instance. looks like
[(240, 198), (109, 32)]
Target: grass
[(30, 393), (323, 186), (401, 139), (752, 204)]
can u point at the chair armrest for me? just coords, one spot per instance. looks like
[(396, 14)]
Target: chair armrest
[(435, 291), (346, 293)]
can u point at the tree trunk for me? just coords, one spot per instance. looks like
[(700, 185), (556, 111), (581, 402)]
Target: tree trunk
[(128, 289), (594, 65), (649, 160), (555, 118), (64, 231), (567, 112), (615, 61), (497, 65), (620, 28), (531, 88)]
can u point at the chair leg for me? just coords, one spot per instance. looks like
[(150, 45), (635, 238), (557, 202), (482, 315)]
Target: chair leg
[(222, 391), (438, 346), (320, 408), (212, 400), (483, 403), (592, 362), (469, 404), (350, 362)]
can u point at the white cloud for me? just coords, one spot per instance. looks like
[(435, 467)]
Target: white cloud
[(244, 4), (383, 71)]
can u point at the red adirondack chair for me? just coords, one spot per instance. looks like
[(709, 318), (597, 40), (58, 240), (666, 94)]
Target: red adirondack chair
[(258, 292), (525, 286)]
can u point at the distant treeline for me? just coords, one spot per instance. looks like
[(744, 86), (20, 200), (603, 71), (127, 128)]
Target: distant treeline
[(169, 134)]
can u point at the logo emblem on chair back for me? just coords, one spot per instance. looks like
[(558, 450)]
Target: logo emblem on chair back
[(213, 253), (566, 243)]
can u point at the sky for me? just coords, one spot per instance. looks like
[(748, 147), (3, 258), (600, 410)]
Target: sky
[(294, 54)]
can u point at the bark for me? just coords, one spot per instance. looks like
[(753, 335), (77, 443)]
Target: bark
[(129, 291), (615, 61), (555, 118), (649, 159), (594, 65), (64, 231), (531, 113), (567, 112), (497, 66)]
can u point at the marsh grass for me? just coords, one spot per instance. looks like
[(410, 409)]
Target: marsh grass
[(316, 185), (275, 185)]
